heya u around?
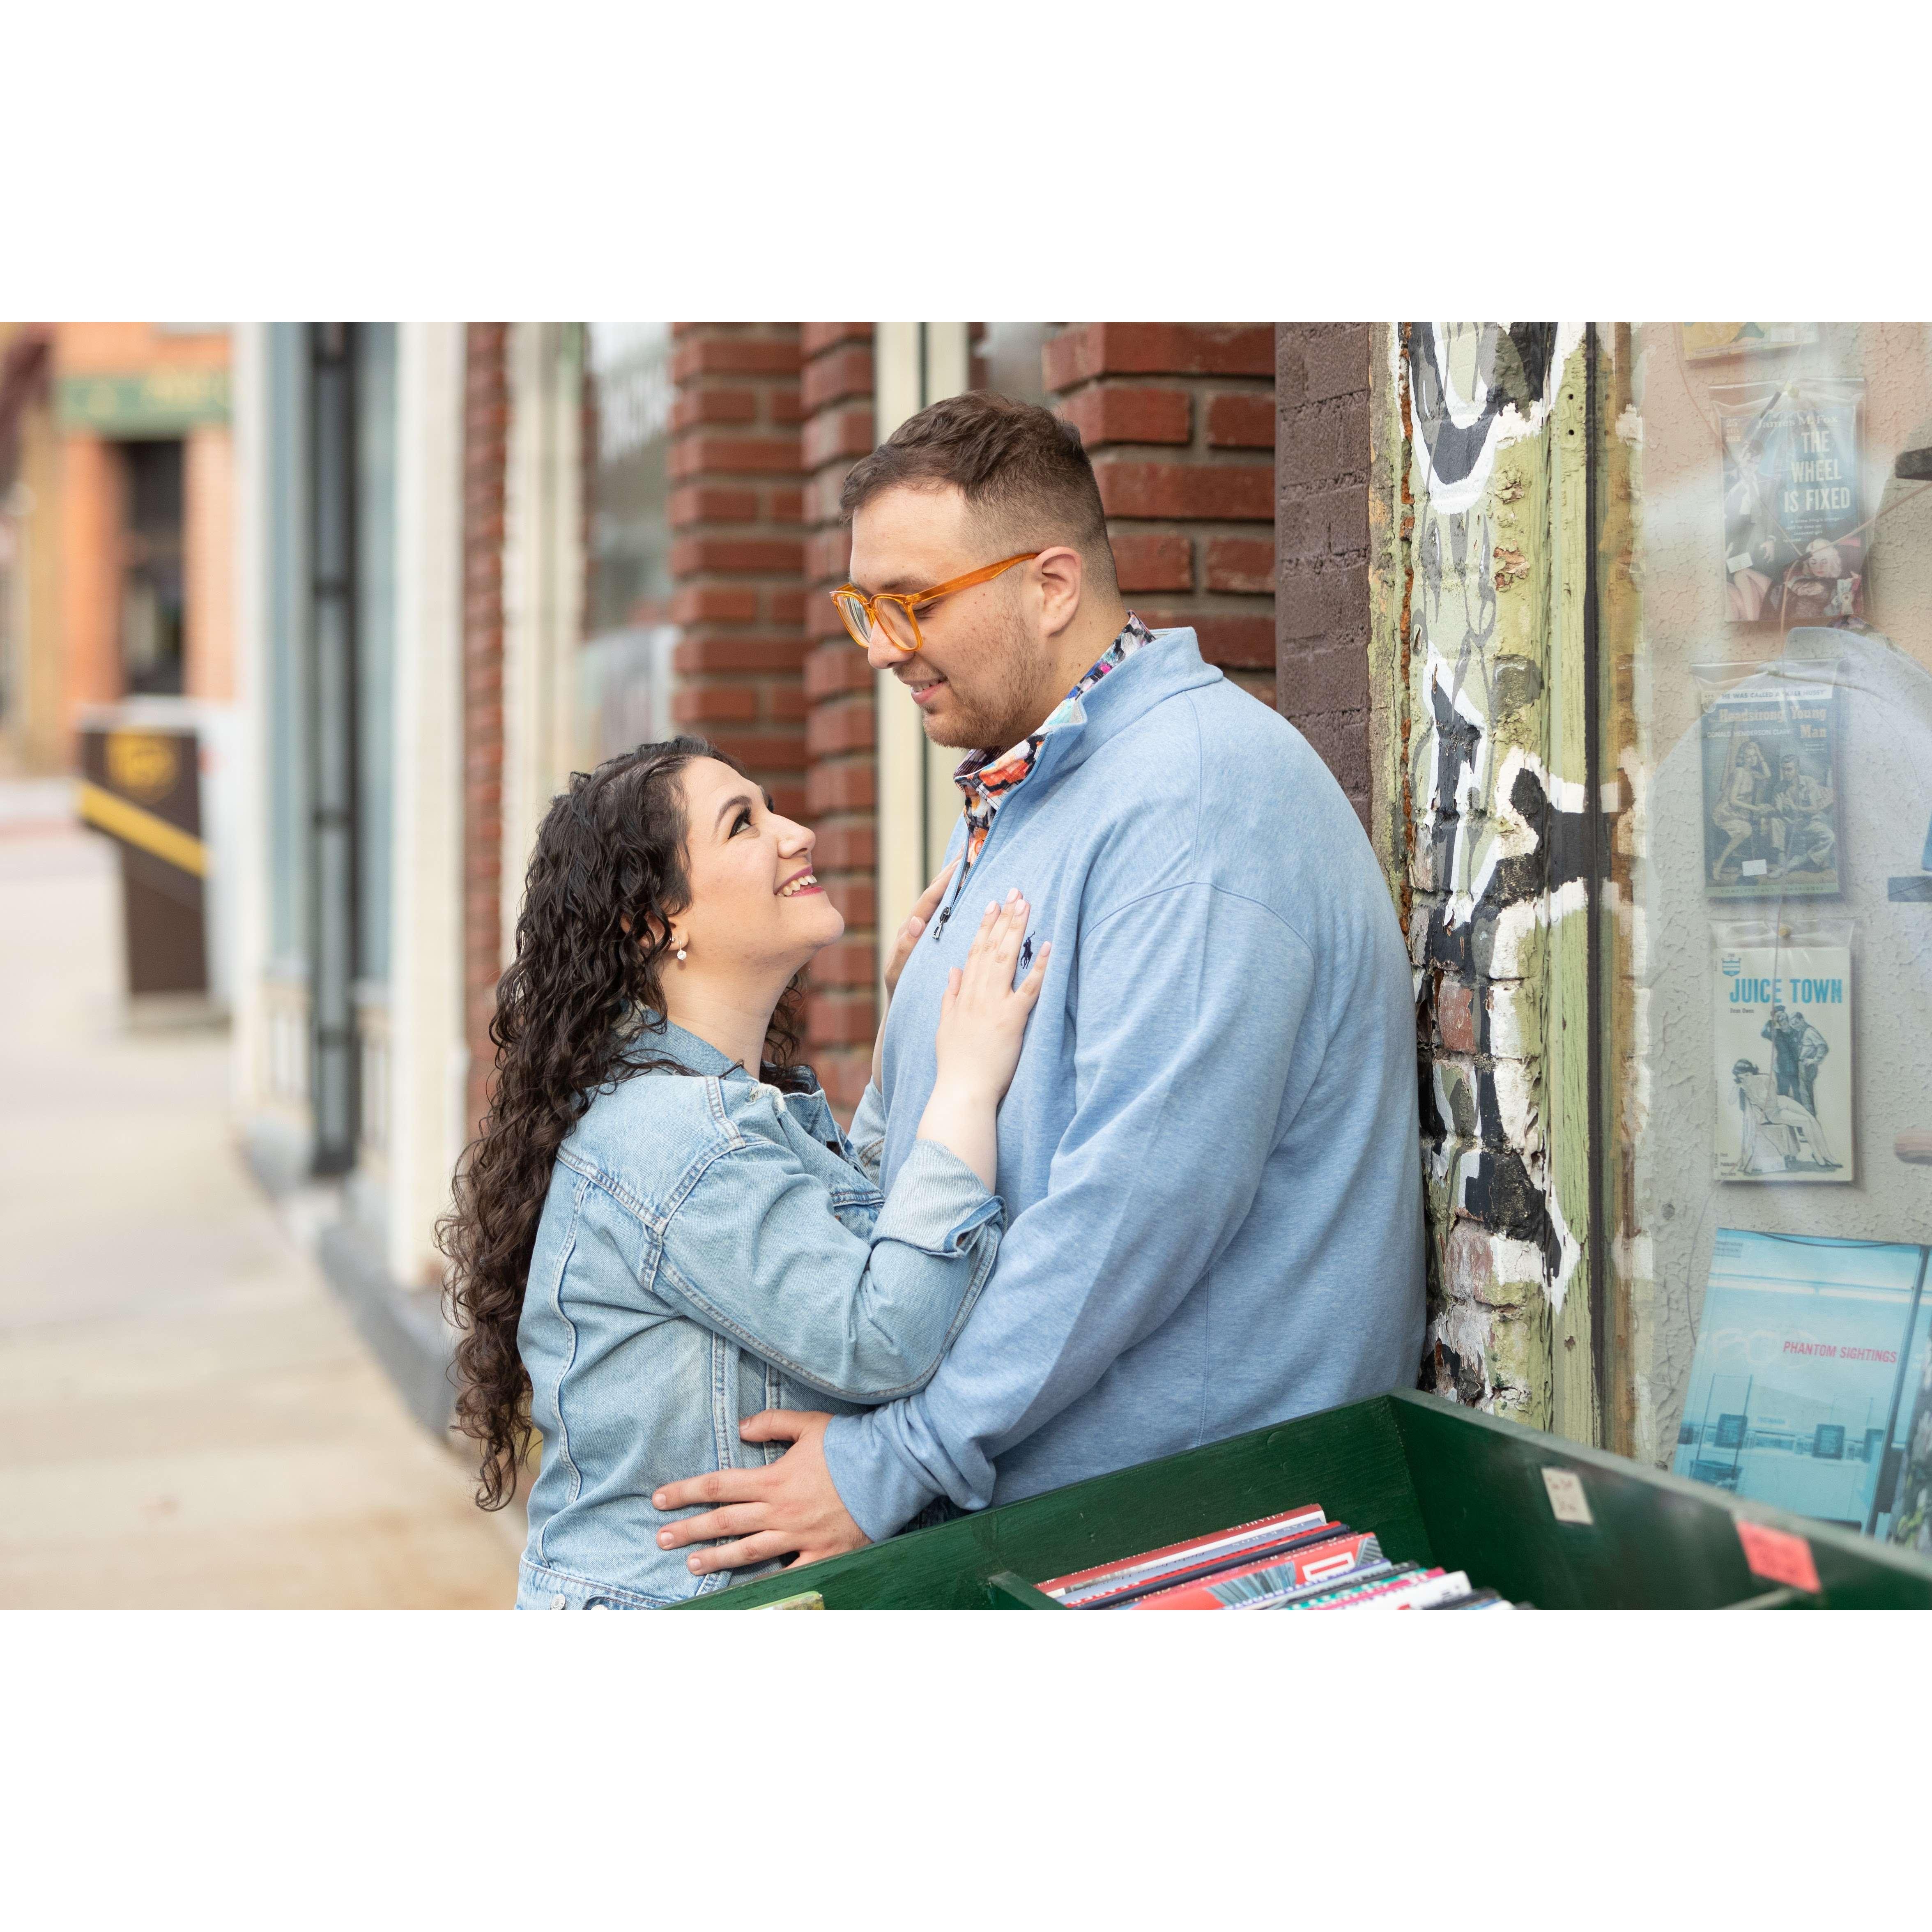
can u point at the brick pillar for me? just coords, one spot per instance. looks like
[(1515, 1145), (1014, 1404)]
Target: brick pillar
[(1321, 538), (737, 554), (1180, 420), (90, 510), (840, 787), (486, 422)]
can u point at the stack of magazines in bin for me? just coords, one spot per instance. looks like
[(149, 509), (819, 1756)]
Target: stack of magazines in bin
[(1297, 1561)]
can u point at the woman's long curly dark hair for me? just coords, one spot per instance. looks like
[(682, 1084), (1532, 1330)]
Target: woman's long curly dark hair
[(606, 878)]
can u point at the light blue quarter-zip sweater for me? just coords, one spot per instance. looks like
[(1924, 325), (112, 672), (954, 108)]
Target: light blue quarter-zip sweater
[(1209, 1156)]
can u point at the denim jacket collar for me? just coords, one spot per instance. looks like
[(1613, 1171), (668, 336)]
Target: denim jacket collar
[(649, 1032)]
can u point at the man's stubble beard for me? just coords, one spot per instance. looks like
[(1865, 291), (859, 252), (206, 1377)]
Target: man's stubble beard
[(999, 718)]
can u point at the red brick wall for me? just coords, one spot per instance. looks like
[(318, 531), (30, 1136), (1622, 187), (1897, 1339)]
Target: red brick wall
[(768, 419), (1322, 533), (737, 551), (840, 787), (486, 423), (1180, 420)]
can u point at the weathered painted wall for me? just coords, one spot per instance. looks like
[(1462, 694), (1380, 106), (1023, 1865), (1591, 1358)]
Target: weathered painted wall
[(1479, 540)]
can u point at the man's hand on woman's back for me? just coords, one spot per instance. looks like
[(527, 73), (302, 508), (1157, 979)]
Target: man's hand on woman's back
[(791, 1504)]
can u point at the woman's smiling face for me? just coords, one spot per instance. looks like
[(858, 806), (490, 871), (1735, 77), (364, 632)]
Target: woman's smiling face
[(755, 903)]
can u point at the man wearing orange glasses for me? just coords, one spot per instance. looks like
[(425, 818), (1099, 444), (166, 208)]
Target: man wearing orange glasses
[(1209, 1156)]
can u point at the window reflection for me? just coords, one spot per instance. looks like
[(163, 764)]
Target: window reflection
[(1767, 604)]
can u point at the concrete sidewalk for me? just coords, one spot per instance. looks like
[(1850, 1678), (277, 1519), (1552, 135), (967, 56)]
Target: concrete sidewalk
[(187, 1416)]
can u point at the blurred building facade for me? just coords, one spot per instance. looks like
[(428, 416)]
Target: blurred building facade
[(412, 565), (116, 522)]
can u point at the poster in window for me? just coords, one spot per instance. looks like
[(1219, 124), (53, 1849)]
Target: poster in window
[(1704, 341), (1801, 1385), (1782, 1051), (1794, 547), (1771, 822)]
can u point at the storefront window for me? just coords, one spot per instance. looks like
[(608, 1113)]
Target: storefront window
[(1006, 359), (374, 346), (1764, 602), (152, 577), (625, 666)]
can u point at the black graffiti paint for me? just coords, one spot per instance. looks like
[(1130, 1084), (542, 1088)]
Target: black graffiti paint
[(1516, 358), (1456, 740), (1499, 1192), (1559, 855)]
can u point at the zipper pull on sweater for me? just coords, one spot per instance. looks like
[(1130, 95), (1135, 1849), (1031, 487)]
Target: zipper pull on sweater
[(946, 910)]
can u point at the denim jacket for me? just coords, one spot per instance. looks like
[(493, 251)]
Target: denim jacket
[(709, 1247)]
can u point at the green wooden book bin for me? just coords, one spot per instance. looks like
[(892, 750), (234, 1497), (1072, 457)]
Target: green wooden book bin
[(1439, 1483)]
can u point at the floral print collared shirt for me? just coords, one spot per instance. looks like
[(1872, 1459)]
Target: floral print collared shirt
[(988, 780)]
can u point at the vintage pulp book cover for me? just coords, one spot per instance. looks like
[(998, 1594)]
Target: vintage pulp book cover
[(1703, 341), (1801, 1363), (1771, 790), (1794, 545), (1781, 1039), (1081, 1588)]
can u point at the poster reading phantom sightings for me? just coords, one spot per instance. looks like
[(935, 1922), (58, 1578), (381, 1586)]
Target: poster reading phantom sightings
[(1793, 552), (1800, 1386), (1771, 791), (1781, 1037)]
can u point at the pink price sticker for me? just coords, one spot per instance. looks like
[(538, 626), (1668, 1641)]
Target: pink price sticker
[(1778, 1556)]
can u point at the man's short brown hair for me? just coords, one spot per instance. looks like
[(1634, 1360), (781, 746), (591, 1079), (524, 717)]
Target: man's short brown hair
[(1022, 469)]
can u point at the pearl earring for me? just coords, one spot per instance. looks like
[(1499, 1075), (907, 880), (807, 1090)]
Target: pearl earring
[(680, 952)]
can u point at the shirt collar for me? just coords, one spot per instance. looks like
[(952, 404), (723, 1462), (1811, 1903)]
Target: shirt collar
[(1070, 712)]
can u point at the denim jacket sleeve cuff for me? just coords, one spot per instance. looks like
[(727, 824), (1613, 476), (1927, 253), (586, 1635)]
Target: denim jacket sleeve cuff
[(938, 1203), (869, 1131), (880, 1490)]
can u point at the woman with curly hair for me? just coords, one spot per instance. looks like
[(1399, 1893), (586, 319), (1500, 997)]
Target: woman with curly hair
[(661, 1230)]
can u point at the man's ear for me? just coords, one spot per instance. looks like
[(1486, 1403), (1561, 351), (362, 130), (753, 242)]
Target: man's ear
[(1063, 575)]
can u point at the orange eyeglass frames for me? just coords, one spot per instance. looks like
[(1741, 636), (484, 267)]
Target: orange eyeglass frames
[(891, 611)]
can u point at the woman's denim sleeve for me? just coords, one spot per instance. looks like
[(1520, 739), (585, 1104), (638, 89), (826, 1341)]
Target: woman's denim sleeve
[(755, 1253), (868, 1132)]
